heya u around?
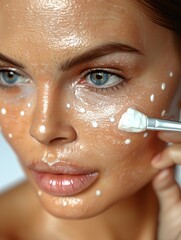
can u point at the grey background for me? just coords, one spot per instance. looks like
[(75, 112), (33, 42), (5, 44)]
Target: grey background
[(10, 170)]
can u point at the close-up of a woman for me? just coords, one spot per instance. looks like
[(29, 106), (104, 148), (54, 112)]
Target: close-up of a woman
[(72, 73)]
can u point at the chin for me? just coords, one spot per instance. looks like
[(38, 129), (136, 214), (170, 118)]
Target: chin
[(71, 207)]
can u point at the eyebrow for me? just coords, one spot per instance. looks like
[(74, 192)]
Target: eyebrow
[(11, 61), (98, 51)]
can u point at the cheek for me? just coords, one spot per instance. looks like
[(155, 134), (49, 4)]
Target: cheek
[(15, 116)]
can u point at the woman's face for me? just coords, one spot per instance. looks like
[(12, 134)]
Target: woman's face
[(69, 70)]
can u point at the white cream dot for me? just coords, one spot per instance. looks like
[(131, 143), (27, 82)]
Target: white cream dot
[(163, 113), (68, 105), (112, 119), (29, 105), (42, 129), (127, 141), (163, 86), (171, 74), (10, 135), (145, 135), (152, 98), (3, 111), (82, 110), (22, 113), (98, 193), (65, 203), (95, 124)]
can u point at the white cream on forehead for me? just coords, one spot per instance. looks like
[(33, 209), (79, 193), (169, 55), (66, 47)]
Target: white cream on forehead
[(133, 121)]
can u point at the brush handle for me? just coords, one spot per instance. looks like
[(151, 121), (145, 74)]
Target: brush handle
[(163, 125)]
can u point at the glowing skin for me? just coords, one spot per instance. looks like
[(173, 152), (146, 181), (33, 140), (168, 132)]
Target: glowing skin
[(39, 193), (45, 36), (10, 135)]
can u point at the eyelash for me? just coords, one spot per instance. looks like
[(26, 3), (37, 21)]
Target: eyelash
[(11, 69), (115, 87), (107, 71)]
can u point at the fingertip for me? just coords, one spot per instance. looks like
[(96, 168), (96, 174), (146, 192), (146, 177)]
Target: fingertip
[(163, 180), (166, 189), (169, 136)]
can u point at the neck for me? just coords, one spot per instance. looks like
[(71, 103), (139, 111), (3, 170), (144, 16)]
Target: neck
[(138, 213)]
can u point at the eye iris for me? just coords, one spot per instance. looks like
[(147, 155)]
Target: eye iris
[(9, 76), (99, 78)]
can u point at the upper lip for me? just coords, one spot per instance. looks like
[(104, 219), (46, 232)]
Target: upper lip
[(60, 168)]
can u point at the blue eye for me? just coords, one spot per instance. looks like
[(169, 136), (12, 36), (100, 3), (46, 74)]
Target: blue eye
[(103, 79), (10, 78), (99, 78)]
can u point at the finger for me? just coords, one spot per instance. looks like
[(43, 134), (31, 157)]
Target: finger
[(174, 137), (169, 157), (166, 189)]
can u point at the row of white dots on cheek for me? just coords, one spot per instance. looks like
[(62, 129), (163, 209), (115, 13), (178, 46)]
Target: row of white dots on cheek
[(22, 113), (152, 97), (4, 111), (128, 140), (163, 87)]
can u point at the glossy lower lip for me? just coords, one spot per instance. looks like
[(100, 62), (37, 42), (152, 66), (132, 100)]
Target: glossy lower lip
[(64, 184)]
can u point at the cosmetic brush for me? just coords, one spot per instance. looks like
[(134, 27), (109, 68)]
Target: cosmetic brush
[(134, 121)]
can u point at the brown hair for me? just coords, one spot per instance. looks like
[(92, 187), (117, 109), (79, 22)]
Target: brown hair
[(166, 13)]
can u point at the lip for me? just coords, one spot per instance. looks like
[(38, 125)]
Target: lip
[(62, 179)]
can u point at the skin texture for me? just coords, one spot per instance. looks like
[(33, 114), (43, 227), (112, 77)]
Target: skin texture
[(45, 35)]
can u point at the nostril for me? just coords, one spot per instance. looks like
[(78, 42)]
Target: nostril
[(55, 133), (59, 139)]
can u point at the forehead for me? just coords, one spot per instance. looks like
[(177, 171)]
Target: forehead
[(60, 23)]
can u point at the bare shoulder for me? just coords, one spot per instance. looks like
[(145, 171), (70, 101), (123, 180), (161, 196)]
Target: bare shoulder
[(15, 204)]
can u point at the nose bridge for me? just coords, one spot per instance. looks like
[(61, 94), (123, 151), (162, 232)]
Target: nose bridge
[(40, 128), (45, 100), (46, 123), (43, 108)]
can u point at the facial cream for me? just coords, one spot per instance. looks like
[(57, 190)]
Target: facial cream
[(133, 121)]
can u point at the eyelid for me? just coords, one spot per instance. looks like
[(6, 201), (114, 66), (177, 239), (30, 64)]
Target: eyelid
[(107, 70), (15, 70)]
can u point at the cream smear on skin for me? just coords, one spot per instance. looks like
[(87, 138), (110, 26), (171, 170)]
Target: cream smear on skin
[(133, 121)]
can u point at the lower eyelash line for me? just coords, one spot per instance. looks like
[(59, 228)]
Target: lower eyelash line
[(113, 88)]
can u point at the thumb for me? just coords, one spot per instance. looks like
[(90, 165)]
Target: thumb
[(167, 190)]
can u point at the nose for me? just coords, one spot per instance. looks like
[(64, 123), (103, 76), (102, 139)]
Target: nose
[(50, 122)]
